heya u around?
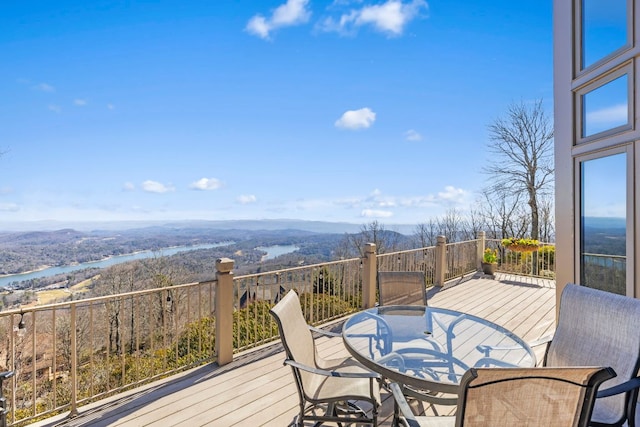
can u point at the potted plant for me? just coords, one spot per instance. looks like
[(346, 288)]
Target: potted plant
[(521, 245), (489, 261)]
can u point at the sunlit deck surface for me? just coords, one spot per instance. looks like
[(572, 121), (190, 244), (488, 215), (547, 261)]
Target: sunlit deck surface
[(257, 390)]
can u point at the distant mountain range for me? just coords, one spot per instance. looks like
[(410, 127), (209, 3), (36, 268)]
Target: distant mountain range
[(605, 222), (265, 224)]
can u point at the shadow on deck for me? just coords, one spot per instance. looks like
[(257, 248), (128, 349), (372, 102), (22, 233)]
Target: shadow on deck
[(257, 390)]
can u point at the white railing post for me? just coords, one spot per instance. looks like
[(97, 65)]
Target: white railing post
[(481, 245), (224, 311), (441, 260), (369, 272)]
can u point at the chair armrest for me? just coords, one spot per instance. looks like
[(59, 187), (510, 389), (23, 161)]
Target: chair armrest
[(402, 404), (544, 340), (326, 373), (323, 332), (488, 362), (487, 349), (449, 329), (620, 388), (5, 375)]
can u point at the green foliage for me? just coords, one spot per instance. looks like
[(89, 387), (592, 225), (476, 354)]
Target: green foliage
[(199, 339), (490, 256), (324, 282), (253, 324), (522, 245), (321, 307)]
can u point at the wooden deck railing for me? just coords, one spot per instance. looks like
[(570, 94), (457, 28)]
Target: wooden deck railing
[(68, 354), (537, 263)]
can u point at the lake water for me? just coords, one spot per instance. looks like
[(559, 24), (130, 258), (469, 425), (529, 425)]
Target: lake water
[(5, 281), (52, 271), (277, 250)]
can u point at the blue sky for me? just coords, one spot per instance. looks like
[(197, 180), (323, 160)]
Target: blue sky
[(345, 110)]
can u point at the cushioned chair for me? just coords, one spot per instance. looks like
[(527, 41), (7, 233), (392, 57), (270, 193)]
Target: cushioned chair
[(402, 288), (597, 328), (326, 387), (532, 397)]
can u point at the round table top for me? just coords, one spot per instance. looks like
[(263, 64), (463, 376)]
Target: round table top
[(428, 347)]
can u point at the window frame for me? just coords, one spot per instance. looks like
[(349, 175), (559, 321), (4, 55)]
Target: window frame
[(578, 37), (626, 69)]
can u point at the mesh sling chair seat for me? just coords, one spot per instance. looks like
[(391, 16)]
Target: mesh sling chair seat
[(532, 397), (402, 288), (597, 328), (327, 388)]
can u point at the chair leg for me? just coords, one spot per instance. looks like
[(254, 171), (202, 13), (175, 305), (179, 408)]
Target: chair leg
[(631, 408)]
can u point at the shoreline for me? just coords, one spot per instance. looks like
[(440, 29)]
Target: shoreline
[(107, 258)]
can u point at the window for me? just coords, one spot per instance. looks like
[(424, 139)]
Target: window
[(603, 223), (604, 26), (604, 107)]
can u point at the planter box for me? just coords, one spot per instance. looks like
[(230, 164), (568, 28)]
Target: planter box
[(489, 268)]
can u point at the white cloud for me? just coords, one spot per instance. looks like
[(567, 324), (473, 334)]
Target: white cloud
[(128, 186), (452, 194), (9, 207), (156, 187), (356, 119), (293, 12), (412, 135), (615, 115), (44, 87), (80, 102), (390, 17), (206, 184), (376, 213), (55, 108), (246, 199)]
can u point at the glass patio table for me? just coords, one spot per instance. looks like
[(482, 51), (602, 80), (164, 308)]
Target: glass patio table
[(428, 349)]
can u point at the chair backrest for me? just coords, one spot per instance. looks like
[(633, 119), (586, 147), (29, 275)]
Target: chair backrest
[(295, 335), (530, 397), (597, 328), (402, 288)]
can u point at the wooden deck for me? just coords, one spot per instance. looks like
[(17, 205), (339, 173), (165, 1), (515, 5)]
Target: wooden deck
[(257, 390)]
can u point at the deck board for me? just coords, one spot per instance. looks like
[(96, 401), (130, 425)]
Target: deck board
[(257, 390)]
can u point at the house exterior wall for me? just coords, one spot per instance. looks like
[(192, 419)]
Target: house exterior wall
[(574, 84)]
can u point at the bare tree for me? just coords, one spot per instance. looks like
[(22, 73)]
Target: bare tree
[(522, 165), (504, 215), (344, 249), (426, 234), (547, 220), (374, 232), (476, 222), (451, 225)]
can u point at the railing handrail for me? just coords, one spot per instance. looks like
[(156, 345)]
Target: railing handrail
[(405, 251), (605, 255), (79, 302), (301, 267)]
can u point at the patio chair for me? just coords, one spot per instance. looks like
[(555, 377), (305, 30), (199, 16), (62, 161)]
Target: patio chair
[(402, 288), (326, 387), (409, 288), (532, 397), (597, 328)]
